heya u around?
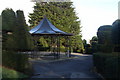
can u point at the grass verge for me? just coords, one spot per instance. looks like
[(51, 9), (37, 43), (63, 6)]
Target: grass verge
[(11, 74)]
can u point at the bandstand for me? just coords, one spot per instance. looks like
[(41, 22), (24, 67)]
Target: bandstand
[(46, 29)]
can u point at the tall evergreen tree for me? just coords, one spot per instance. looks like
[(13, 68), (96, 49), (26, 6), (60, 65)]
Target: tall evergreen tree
[(62, 15)]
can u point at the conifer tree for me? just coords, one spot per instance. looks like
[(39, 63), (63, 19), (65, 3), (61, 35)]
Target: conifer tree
[(62, 15)]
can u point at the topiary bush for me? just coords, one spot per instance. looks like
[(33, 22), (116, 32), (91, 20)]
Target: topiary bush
[(22, 62), (9, 59), (99, 62), (108, 65), (88, 49), (112, 68), (16, 61), (105, 48)]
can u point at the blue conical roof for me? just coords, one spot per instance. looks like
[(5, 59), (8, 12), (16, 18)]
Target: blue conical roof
[(46, 27)]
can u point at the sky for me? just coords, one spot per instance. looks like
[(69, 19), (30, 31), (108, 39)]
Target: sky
[(95, 13), (91, 13)]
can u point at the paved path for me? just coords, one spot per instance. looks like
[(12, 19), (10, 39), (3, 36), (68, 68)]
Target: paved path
[(79, 67)]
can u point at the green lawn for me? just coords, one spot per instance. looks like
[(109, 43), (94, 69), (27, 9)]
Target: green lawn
[(10, 73)]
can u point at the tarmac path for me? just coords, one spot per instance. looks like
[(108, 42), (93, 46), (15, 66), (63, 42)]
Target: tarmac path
[(80, 67)]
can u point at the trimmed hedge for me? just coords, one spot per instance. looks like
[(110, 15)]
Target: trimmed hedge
[(16, 61), (107, 65), (105, 48)]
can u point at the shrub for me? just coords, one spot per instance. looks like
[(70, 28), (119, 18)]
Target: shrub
[(62, 49), (111, 68), (9, 59), (89, 50), (22, 62), (8, 73), (105, 48), (107, 64), (16, 61)]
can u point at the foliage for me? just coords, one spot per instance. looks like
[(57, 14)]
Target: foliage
[(104, 38), (92, 47), (107, 64), (94, 44), (108, 35), (10, 43), (116, 35), (9, 59), (14, 23), (105, 48), (8, 20), (43, 42), (15, 60), (88, 49), (62, 15), (112, 68), (84, 42), (108, 42), (62, 49), (8, 25), (104, 34), (15, 38), (21, 33), (94, 38), (8, 73), (116, 32), (77, 44)]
